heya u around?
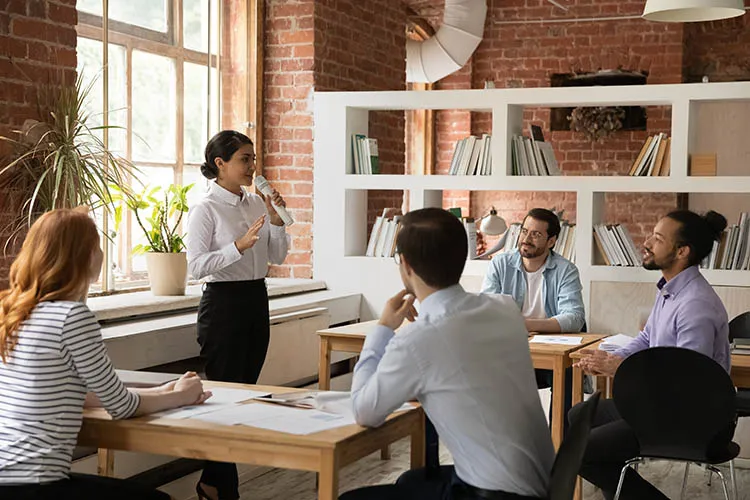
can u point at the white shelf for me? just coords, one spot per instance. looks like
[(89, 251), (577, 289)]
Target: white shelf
[(342, 204), (625, 184)]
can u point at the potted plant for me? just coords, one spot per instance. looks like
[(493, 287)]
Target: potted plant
[(159, 213), (60, 161)]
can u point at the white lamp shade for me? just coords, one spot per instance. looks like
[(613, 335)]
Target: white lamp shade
[(493, 225), (686, 11)]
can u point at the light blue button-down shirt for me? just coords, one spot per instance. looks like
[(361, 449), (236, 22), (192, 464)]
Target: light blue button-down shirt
[(687, 313), (561, 287), (466, 359)]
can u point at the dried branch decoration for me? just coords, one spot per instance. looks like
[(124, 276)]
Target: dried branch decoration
[(597, 123)]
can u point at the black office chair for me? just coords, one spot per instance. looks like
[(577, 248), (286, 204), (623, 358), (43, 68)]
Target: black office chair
[(681, 407), (739, 328), (567, 464)]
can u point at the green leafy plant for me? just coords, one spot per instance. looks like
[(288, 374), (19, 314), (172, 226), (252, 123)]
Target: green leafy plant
[(60, 161), (158, 212)]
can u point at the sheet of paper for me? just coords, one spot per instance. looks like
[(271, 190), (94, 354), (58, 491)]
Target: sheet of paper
[(222, 399), (615, 342), (555, 339), (277, 418)]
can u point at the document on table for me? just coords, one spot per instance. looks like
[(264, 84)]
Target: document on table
[(223, 398), (615, 342), (556, 339), (336, 402), (277, 418)]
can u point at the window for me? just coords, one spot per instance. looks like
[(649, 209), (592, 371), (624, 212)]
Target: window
[(163, 86)]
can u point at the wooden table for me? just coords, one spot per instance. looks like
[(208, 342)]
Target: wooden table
[(555, 357), (323, 452), (740, 371)]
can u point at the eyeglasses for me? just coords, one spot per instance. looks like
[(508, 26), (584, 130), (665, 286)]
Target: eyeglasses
[(535, 235), (397, 257)]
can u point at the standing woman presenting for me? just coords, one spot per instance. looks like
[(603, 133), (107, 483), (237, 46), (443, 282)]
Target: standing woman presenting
[(232, 235)]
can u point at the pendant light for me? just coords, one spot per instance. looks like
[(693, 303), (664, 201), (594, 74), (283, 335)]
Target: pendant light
[(686, 11)]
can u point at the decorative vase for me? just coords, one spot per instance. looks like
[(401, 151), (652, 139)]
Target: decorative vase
[(167, 272)]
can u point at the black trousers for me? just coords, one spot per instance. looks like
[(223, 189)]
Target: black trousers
[(611, 443), (233, 332), (419, 485), (83, 487), (544, 381)]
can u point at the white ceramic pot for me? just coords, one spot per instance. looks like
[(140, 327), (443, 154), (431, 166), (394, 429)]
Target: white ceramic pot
[(167, 272)]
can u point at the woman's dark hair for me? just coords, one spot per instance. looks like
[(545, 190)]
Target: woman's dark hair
[(223, 145), (698, 232), (434, 243), (548, 216)]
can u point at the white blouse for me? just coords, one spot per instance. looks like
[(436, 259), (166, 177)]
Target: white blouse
[(216, 222)]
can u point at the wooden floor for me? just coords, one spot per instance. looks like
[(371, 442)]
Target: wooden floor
[(278, 484)]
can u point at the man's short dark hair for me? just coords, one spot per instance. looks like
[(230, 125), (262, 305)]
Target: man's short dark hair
[(434, 243), (548, 216), (698, 232)]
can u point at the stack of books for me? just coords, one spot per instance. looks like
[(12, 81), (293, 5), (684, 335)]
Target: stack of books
[(654, 158), (741, 346), (532, 155), (382, 241), (616, 246), (732, 251), (365, 155), (472, 156), (566, 241)]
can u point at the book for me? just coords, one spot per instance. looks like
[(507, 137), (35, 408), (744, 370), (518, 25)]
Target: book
[(372, 146)]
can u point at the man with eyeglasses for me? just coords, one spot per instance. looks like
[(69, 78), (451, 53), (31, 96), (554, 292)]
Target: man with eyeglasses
[(464, 358), (544, 285)]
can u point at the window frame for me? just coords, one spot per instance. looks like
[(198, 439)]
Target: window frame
[(170, 45)]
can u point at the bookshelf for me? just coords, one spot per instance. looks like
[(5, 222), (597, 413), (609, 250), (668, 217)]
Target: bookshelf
[(340, 207)]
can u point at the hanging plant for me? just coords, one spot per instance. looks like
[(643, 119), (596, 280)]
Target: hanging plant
[(597, 123)]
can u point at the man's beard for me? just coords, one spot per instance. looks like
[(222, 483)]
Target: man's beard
[(531, 251), (652, 265)]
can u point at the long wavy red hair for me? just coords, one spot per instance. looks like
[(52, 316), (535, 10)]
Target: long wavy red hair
[(54, 264)]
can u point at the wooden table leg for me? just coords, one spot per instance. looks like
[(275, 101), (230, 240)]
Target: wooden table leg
[(558, 397), (328, 478), (106, 462), (577, 398), (324, 365), (418, 446)]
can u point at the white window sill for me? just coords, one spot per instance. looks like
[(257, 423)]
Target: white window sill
[(124, 305)]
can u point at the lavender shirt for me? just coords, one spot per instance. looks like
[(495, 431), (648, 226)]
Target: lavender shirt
[(687, 313)]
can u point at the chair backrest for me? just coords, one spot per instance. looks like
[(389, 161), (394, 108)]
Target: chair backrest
[(678, 402), (567, 464), (739, 327)]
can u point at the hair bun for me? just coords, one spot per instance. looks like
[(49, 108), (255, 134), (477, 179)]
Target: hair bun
[(716, 221), (208, 172)]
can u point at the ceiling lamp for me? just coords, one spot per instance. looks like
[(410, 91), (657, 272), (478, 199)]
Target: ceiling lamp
[(687, 11)]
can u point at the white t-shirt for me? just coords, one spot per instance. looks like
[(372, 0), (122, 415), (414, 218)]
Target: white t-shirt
[(533, 303)]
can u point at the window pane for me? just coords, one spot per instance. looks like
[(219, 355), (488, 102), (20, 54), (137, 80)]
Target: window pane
[(196, 25), (90, 6), (151, 14), (196, 106), (154, 107), (90, 66), (191, 174)]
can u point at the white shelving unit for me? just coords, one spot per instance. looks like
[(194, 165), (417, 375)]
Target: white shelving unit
[(340, 197)]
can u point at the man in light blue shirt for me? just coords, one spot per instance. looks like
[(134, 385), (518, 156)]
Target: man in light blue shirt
[(687, 313), (545, 286), (465, 358)]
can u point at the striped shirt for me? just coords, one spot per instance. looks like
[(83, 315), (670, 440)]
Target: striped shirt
[(59, 356)]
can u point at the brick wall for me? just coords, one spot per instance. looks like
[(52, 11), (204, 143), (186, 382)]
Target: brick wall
[(527, 55), (327, 45), (37, 44), (718, 50)]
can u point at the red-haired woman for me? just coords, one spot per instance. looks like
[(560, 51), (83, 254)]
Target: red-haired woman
[(52, 355)]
